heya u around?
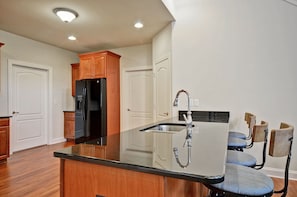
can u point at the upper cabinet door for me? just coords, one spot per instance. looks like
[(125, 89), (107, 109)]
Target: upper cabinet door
[(99, 66), (86, 67)]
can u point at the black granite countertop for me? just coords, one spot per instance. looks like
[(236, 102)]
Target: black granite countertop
[(151, 152), (1, 116)]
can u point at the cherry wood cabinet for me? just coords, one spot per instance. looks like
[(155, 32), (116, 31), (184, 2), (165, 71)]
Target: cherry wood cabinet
[(75, 76), (105, 64), (4, 139), (97, 64), (69, 125)]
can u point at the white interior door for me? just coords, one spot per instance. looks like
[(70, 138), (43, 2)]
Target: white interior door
[(163, 88), (138, 108), (28, 98), (138, 98)]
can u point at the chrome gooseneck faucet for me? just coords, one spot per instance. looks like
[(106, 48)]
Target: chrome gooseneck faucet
[(189, 122)]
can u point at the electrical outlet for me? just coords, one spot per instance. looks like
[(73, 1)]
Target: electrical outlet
[(194, 102)]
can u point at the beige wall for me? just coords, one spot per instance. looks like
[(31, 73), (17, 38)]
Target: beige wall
[(26, 50), (239, 55)]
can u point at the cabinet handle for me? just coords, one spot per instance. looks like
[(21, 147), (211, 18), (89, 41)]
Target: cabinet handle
[(15, 112), (166, 114), (128, 109)]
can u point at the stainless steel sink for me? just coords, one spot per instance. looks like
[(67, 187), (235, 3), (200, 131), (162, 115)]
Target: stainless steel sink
[(165, 127)]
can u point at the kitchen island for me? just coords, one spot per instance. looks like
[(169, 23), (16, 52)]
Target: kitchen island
[(119, 166)]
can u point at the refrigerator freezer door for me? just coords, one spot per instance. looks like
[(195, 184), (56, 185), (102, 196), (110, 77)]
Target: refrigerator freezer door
[(79, 110)]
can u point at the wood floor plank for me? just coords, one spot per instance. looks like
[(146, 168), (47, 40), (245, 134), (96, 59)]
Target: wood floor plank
[(36, 172)]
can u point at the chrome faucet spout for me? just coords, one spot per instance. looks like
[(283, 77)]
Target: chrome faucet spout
[(175, 103), (188, 120)]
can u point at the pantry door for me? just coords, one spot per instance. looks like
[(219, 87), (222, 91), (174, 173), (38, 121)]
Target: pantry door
[(163, 88), (138, 110), (28, 98), (138, 98)]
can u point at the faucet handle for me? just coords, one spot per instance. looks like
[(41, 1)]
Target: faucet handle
[(185, 118), (188, 119)]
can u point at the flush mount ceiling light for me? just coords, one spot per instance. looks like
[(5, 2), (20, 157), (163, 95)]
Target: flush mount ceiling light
[(138, 25), (65, 14), (71, 37)]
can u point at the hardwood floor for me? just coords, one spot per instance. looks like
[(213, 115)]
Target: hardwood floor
[(30, 173), (35, 173)]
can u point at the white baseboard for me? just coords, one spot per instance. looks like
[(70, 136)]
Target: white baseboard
[(57, 140), (279, 173)]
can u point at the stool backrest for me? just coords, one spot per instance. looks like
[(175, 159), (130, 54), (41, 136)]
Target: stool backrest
[(281, 145), (247, 116), (251, 121), (280, 140), (260, 132)]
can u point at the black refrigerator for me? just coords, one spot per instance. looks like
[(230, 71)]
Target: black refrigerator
[(90, 110)]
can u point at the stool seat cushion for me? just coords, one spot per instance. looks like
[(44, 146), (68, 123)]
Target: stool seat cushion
[(237, 135), (247, 181), (236, 142), (241, 158)]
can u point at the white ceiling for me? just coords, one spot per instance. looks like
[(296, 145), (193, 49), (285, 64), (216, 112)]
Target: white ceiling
[(102, 24)]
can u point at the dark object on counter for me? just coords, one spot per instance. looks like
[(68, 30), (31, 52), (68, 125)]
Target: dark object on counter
[(90, 110), (207, 116)]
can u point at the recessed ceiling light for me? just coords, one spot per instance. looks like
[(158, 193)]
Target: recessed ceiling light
[(71, 37), (65, 14), (138, 25)]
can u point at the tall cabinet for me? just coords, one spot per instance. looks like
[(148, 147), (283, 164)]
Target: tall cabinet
[(103, 64)]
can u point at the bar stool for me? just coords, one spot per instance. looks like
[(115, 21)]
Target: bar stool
[(240, 135), (238, 144), (260, 134), (245, 181)]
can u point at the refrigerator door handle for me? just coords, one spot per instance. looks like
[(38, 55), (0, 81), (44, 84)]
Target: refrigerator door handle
[(84, 104)]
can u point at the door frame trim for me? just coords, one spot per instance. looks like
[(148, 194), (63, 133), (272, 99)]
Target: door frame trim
[(48, 112)]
